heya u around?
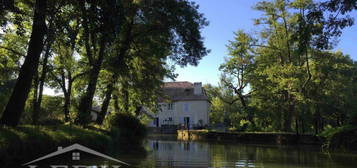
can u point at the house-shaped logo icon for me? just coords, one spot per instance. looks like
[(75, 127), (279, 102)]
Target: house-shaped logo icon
[(74, 154)]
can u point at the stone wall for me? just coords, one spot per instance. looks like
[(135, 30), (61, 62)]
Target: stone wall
[(264, 138)]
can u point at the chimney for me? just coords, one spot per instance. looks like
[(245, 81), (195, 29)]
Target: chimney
[(197, 88), (59, 148)]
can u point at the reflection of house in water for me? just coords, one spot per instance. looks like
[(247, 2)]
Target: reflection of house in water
[(173, 153)]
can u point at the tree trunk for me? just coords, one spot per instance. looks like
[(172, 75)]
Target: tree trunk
[(15, 106), (297, 126), (67, 92), (67, 104), (116, 103), (287, 122), (126, 99), (288, 118), (302, 126), (122, 53), (105, 105), (38, 100), (247, 110), (317, 120), (86, 101), (35, 113), (287, 112)]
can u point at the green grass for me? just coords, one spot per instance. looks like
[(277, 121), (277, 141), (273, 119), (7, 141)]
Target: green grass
[(24, 142), (27, 142)]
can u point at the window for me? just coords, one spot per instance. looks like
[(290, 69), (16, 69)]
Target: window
[(170, 106), (185, 107), (75, 156), (187, 92)]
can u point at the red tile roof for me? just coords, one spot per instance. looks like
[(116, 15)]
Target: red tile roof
[(183, 84), (176, 91)]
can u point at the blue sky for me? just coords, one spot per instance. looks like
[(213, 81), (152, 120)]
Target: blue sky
[(226, 17)]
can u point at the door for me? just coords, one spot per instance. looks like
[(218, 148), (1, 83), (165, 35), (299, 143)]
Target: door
[(156, 122)]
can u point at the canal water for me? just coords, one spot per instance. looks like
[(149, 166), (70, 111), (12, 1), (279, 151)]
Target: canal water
[(174, 153)]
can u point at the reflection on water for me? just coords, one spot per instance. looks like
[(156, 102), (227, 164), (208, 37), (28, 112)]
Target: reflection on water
[(207, 154)]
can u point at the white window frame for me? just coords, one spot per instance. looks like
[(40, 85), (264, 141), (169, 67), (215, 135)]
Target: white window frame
[(76, 156), (170, 106)]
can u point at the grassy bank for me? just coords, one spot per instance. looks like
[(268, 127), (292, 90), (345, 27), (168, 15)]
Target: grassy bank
[(26, 142)]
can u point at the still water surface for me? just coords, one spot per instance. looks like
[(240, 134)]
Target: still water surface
[(173, 153)]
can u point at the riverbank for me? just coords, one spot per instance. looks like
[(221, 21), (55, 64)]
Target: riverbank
[(246, 137), (24, 143)]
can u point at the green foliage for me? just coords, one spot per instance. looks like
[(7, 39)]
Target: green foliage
[(344, 137), (225, 107), (16, 143), (284, 75), (5, 91), (99, 49), (51, 110), (50, 107), (126, 130), (293, 80)]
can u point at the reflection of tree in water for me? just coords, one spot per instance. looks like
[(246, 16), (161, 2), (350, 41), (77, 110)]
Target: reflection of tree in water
[(260, 156), (186, 146)]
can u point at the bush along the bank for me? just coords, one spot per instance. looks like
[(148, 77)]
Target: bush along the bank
[(127, 132), (123, 134), (342, 138), (24, 142)]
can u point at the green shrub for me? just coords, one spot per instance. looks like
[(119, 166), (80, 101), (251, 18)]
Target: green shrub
[(51, 121), (344, 138), (20, 143), (126, 131)]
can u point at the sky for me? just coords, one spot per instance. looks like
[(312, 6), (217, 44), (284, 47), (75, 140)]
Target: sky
[(228, 16)]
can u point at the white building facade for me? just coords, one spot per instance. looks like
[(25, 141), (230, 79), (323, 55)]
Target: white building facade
[(185, 105)]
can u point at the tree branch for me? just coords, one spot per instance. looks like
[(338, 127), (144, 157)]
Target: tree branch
[(79, 75), (13, 51)]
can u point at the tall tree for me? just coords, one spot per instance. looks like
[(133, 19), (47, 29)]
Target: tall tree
[(237, 67), (103, 16), (177, 37), (15, 106)]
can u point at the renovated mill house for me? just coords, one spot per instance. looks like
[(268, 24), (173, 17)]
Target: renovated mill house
[(184, 104)]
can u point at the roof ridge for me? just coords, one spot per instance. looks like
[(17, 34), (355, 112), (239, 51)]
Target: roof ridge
[(179, 82)]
